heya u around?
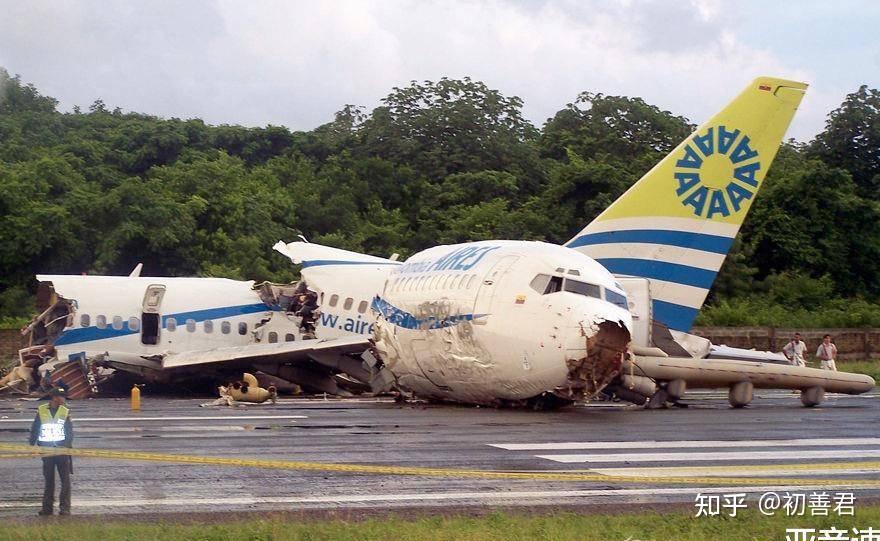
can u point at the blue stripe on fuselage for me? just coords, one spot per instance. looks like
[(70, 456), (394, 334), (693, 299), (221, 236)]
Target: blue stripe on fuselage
[(88, 334), (323, 262), (683, 239), (404, 319)]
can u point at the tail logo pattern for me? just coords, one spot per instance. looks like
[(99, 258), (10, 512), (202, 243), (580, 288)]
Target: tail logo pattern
[(716, 172)]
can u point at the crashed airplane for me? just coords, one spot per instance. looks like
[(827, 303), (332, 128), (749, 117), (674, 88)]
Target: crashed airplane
[(491, 322)]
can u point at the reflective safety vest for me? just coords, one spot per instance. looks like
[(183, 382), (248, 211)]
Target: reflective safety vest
[(52, 428)]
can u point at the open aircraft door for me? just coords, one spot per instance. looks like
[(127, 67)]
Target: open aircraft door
[(483, 302), (151, 317)]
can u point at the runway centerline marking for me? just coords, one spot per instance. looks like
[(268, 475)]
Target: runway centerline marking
[(429, 472), (188, 418), (683, 444), (675, 457)]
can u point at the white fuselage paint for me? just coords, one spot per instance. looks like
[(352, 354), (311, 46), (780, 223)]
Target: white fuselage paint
[(462, 323)]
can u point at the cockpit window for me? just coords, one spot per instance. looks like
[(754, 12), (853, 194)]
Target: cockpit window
[(616, 298), (582, 288), (546, 284), (539, 283)]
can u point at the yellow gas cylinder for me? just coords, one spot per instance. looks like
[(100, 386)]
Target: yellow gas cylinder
[(135, 399)]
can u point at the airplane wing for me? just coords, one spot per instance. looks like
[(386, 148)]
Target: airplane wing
[(318, 365), (658, 378), (266, 353)]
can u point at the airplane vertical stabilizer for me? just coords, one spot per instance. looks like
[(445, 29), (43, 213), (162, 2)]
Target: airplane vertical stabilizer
[(676, 224)]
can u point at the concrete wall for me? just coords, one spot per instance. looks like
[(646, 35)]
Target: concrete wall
[(851, 343), (10, 343)]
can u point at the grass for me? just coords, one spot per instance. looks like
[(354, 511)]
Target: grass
[(680, 526), (870, 367)]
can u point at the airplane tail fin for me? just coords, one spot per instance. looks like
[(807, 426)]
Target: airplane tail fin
[(676, 224)]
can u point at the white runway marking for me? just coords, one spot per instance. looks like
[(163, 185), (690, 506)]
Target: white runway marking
[(684, 444), (447, 496), (739, 471), (190, 418), (687, 457)]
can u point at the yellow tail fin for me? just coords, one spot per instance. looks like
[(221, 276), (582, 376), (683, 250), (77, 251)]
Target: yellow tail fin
[(677, 223)]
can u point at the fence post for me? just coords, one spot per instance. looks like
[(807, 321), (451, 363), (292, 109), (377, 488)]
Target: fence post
[(771, 334), (867, 338)]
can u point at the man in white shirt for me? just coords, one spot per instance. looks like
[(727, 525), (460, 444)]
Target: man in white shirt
[(827, 353), (794, 350)]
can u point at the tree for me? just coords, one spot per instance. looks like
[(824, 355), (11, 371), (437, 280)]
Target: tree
[(451, 126), (851, 140)]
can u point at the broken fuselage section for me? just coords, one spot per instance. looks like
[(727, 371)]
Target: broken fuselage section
[(502, 322), (134, 325)]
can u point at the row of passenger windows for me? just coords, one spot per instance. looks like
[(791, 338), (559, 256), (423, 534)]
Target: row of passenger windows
[(438, 281), (134, 324), (348, 303), (546, 284)]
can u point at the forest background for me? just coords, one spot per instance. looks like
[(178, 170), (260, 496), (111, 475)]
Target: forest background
[(438, 162)]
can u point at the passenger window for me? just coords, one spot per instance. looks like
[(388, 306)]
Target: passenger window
[(322, 298), (334, 299), (242, 328), (209, 326), (134, 324), (171, 324), (84, 320), (616, 298), (289, 337), (362, 307), (101, 322), (582, 288), (454, 283), (117, 323), (273, 337), (348, 302), (471, 280), (191, 325), (225, 327)]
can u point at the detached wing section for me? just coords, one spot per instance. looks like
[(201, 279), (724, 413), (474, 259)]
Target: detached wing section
[(332, 366), (282, 352), (310, 255)]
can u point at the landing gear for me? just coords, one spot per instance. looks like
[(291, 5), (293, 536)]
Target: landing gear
[(812, 396), (741, 394)]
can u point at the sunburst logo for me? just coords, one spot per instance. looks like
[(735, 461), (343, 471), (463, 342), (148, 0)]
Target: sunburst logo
[(716, 174)]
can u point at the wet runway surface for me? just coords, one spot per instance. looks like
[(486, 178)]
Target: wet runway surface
[(623, 453)]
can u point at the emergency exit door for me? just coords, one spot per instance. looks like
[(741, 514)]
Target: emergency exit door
[(151, 317)]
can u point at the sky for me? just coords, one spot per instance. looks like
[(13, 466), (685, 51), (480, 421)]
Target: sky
[(295, 63)]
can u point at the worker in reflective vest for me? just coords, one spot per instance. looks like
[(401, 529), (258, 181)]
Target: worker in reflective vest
[(52, 427)]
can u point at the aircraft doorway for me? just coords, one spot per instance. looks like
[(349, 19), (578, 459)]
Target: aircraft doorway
[(151, 314), (483, 302)]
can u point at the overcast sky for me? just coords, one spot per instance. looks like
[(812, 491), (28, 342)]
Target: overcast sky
[(296, 63)]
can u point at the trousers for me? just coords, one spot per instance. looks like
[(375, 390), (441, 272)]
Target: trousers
[(64, 464)]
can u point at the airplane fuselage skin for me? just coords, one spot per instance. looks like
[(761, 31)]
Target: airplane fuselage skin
[(481, 322), (468, 323)]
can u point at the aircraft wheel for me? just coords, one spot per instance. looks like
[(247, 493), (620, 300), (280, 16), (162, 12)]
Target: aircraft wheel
[(658, 401), (741, 394), (812, 396)]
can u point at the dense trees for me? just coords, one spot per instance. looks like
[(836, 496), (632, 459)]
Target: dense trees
[(436, 162)]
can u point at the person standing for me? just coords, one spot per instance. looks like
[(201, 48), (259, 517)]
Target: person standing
[(795, 350), (52, 427), (827, 353)]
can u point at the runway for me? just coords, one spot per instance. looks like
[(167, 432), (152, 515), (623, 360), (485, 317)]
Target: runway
[(373, 453)]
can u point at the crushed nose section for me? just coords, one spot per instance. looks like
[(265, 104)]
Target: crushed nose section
[(607, 344)]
